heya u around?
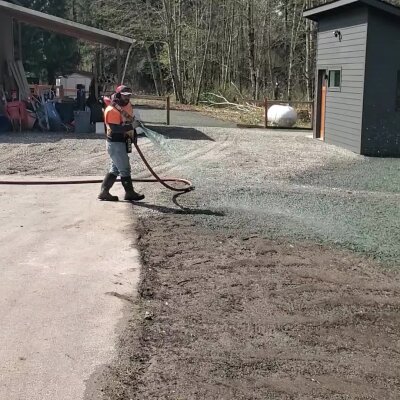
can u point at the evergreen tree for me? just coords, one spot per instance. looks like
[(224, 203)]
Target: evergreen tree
[(47, 54)]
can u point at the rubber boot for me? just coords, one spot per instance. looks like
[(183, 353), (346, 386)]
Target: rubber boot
[(130, 194), (107, 184)]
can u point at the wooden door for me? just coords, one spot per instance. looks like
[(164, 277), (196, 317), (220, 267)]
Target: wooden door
[(323, 84)]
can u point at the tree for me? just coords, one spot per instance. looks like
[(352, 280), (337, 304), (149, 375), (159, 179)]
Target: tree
[(47, 54), (242, 48)]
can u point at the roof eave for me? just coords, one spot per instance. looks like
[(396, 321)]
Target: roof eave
[(316, 12), (64, 26)]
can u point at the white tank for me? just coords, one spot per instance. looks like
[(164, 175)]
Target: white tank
[(282, 116)]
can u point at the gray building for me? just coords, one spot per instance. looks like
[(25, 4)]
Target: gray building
[(358, 76)]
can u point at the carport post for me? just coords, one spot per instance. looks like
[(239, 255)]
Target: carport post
[(119, 73), (265, 113), (20, 41), (168, 110), (126, 63)]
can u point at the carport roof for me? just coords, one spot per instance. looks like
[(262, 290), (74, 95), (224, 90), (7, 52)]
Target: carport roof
[(316, 12), (63, 26)]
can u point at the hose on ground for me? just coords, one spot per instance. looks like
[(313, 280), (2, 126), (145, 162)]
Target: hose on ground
[(189, 187), (163, 181)]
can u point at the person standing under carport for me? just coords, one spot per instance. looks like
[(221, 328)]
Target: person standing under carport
[(120, 124)]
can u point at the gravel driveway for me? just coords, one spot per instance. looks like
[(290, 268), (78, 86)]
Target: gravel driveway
[(276, 183)]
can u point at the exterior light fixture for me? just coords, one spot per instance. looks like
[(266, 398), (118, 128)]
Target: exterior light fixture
[(338, 34)]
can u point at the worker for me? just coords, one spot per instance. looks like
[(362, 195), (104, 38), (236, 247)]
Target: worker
[(120, 130)]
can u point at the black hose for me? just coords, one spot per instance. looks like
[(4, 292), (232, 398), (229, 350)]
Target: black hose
[(189, 187)]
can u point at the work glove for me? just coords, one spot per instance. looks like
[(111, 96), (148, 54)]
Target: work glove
[(130, 134)]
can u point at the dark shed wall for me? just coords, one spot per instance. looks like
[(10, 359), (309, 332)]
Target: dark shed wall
[(344, 108), (6, 48), (381, 133)]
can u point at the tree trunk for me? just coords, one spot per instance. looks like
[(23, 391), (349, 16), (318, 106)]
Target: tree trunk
[(251, 48), (160, 74), (201, 75), (172, 51), (73, 9), (270, 68), (293, 44), (227, 67), (153, 70), (195, 52)]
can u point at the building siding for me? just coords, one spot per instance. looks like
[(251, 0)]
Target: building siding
[(381, 123), (344, 108)]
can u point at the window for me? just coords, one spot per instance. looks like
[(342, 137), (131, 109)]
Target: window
[(334, 79), (398, 92)]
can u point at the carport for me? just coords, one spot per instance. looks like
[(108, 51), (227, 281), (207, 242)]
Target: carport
[(22, 15)]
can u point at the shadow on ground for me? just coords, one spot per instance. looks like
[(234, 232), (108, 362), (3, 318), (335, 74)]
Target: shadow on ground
[(175, 132), (181, 210)]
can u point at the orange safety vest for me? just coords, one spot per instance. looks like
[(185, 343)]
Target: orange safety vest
[(116, 117)]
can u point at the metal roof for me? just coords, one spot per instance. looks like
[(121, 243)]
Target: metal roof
[(63, 26), (316, 12)]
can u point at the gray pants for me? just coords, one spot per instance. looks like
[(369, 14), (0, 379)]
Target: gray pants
[(120, 163)]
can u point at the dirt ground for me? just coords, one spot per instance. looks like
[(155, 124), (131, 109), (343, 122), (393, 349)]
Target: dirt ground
[(242, 317), (277, 278)]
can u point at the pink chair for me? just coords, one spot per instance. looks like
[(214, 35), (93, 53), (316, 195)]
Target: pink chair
[(18, 115)]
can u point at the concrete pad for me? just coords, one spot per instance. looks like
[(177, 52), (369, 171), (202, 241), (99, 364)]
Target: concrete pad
[(67, 270)]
